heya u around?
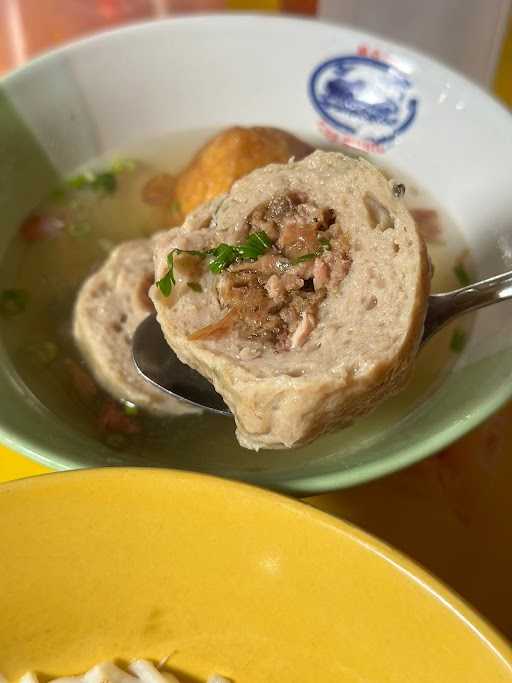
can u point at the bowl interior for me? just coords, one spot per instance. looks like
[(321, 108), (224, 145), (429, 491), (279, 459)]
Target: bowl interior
[(178, 76), (130, 563)]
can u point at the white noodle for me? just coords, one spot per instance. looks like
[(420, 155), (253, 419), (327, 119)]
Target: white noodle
[(143, 672), (148, 673), (163, 662), (107, 671), (94, 675), (27, 678)]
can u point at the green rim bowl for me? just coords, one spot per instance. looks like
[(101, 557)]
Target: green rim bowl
[(185, 74)]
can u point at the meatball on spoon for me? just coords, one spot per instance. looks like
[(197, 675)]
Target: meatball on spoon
[(158, 363)]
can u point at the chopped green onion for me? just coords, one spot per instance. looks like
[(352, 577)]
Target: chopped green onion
[(79, 181), (130, 408), (326, 245), (304, 257), (195, 286), (58, 194), (246, 252), (174, 206), (105, 182), (121, 165), (462, 275), (166, 283), (13, 302), (220, 257), (224, 256), (79, 230), (44, 353), (458, 341), (100, 181), (260, 240), (256, 245)]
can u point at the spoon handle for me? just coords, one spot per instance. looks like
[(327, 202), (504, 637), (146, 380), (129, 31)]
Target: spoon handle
[(445, 307)]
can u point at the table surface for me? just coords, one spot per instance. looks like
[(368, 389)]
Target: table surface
[(452, 512)]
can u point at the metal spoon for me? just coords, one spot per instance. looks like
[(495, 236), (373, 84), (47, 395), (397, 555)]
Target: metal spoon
[(158, 363)]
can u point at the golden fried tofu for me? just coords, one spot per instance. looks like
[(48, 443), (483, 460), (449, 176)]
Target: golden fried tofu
[(230, 155)]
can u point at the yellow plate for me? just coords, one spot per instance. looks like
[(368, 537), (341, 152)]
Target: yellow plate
[(222, 577)]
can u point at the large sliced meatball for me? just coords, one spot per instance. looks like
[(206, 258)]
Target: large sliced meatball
[(230, 155), (110, 305), (303, 299)]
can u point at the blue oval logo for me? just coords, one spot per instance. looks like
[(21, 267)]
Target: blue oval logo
[(363, 97)]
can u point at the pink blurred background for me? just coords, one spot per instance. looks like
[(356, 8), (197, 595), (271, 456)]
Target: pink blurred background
[(28, 27)]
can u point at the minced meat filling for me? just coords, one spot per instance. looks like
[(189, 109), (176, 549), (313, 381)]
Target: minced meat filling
[(264, 317), (275, 299), (292, 222)]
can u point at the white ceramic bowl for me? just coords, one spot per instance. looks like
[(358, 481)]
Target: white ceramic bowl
[(212, 71)]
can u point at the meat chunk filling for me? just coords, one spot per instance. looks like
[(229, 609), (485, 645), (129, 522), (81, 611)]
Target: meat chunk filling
[(275, 299)]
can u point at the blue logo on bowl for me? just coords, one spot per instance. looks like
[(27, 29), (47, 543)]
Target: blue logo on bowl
[(364, 98)]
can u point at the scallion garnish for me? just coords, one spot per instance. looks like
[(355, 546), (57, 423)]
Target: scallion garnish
[(13, 302), (458, 341), (223, 256), (130, 408), (167, 282), (101, 181), (462, 275), (44, 352), (259, 241), (305, 257), (77, 182), (79, 230), (326, 245), (104, 182), (58, 195), (121, 165), (219, 258)]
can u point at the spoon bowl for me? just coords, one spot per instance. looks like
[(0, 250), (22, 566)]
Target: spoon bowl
[(158, 363)]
